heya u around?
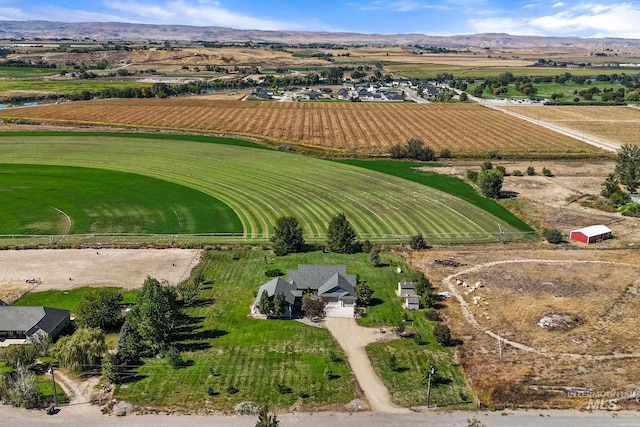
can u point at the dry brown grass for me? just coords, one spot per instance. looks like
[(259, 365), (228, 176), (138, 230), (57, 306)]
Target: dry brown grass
[(599, 287), (620, 124), (367, 128)]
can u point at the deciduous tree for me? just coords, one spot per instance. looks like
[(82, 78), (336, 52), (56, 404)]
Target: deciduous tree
[(154, 316), (490, 183), (81, 351), (100, 309)]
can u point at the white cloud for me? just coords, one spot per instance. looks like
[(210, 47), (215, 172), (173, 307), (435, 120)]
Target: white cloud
[(174, 12), (559, 4), (200, 13), (585, 20), (398, 6)]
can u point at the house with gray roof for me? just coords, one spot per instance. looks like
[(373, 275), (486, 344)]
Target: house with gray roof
[(330, 282), (29, 324)]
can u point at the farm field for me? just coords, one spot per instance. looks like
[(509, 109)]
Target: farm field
[(363, 128), (620, 124), (49, 200), (260, 185)]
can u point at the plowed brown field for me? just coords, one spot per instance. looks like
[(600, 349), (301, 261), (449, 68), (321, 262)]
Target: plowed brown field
[(366, 128)]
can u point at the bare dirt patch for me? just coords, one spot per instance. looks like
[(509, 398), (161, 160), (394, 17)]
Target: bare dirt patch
[(69, 268)]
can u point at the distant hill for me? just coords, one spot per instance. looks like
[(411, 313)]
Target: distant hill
[(118, 31)]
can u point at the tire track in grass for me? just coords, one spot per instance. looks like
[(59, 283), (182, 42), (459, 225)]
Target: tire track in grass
[(67, 218)]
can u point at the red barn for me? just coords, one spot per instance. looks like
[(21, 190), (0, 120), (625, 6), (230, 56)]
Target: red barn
[(592, 234)]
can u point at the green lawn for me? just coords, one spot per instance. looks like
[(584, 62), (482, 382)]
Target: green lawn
[(66, 300), (446, 183), (59, 200), (226, 348), (260, 185)]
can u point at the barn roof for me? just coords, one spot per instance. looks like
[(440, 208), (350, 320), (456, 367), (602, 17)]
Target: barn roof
[(593, 230)]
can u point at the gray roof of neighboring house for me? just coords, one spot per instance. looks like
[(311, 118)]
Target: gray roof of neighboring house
[(2, 303), (30, 319), (407, 285), (312, 276)]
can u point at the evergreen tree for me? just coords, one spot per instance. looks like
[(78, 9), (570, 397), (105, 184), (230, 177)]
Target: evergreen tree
[(341, 236), (265, 305), (628, 166), (287, 236), (278, 304)]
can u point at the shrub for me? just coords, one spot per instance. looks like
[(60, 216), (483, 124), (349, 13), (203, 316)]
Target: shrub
[(417, 242), (328, 373), (446, 153), (530, 171), (493, 154), (274, 272), (502, 170), (174, 357), (472, 175), (552, 235), (302, 394), (442, 334), (367, 246), (282, 389), (285, 147), (232, 390), (546, 172), (516, 172), (486, 165), (432, 316)]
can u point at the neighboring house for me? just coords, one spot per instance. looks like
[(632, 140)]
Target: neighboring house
[(411, 303), (330, 282), (592, 234), (31, 323), (2, 303), (406, 289)]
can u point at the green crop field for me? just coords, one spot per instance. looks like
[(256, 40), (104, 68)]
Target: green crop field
[(69, 200), (260, 185)]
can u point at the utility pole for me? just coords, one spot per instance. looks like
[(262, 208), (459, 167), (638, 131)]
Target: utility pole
[(53, 384), (432, 371)]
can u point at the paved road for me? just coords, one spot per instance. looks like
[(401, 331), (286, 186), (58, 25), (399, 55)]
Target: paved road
[(21, 418)]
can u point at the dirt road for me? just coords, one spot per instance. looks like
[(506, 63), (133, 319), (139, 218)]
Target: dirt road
[(353, 339)]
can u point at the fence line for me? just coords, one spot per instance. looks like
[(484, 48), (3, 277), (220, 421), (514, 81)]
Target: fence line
[(105, 239)]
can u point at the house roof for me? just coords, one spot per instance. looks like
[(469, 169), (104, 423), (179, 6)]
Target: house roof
[(407, 285), (278, 285), (337, 285), (2, 303), (593, 230), (312, 276), (29, 319)]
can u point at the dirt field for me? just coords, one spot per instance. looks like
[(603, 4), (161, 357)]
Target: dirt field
[(592, 290), (69, 268)]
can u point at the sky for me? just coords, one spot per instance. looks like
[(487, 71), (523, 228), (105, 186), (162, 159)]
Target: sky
[(597, 18)]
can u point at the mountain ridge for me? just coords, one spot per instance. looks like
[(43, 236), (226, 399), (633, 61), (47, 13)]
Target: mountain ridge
[(130, 32)]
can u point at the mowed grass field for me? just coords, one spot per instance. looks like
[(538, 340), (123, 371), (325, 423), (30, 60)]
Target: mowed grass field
[(348, 127), (47, 199), (261, 185), (226, 348), (620, 124)]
